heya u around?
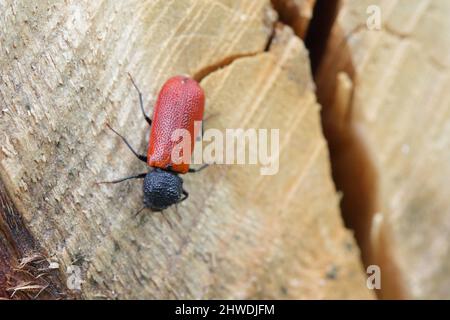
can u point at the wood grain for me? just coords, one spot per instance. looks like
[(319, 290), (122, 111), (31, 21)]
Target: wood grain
[(393, 154), (240, 235)]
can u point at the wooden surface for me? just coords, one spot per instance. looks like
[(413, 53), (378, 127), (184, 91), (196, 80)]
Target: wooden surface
[(295, 13), (390, 144), (25, 272), (240, 235)]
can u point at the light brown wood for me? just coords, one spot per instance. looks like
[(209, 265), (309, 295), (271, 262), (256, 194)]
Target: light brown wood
[(240, 235), (295, 13), (392, 156)]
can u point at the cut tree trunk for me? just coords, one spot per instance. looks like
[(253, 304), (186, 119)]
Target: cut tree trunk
[(386, 116), (63, 76)]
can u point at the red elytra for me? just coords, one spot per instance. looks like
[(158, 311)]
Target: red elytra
[(180, 104)]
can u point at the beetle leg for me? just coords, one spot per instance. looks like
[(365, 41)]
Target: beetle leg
[(138, 176), (140, 210), (141, 101), (139, 156), (193, 170), (185, 196), (169, 168)]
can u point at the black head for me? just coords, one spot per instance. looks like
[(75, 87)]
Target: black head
[(162, 189)]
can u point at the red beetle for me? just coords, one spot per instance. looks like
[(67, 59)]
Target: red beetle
[(180, 104)]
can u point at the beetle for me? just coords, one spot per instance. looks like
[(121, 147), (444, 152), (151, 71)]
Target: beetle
[(180, 103)]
